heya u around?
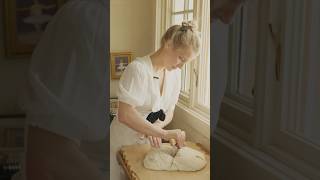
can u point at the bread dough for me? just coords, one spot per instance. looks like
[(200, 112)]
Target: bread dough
[(170, 158), (161, 159)]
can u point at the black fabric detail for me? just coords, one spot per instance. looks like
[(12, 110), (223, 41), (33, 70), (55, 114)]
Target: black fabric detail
[(154, 116)]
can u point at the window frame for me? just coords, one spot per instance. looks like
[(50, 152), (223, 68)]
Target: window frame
[(238, 112), (164, 15), (271, 129)]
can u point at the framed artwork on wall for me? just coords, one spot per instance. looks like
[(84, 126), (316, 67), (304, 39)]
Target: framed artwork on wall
[(25, 21), (118, 63)]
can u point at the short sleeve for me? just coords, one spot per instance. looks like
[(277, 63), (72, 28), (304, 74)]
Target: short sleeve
[(133, 85)]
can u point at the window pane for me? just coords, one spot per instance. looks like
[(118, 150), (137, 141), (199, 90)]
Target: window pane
[(207, 89), (203, 89), (185, 79), (190, 5), (190, 16), (177, 19), (178, 5), (204, 82)]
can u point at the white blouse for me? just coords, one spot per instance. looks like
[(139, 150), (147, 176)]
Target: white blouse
[(67, 78), (138, 88)]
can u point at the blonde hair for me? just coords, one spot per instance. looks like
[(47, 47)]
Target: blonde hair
[(182, 36)]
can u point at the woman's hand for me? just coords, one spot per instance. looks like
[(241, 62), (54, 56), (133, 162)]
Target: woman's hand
[(176, 134), (155, 141)]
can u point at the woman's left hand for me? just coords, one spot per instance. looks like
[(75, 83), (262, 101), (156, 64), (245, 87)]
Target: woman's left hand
[(155, 141)]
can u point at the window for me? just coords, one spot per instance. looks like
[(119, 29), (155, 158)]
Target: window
[(294, 117), (272, 99), (195, 82), (183, 10), (202, 65), (237, 108)]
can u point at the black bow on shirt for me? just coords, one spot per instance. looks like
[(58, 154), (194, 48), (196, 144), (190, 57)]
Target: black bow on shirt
[(153, 116)]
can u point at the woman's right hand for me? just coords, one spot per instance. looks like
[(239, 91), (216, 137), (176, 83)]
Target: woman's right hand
[(176, 134)]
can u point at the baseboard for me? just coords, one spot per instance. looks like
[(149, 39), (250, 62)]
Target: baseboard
[(234, 159)]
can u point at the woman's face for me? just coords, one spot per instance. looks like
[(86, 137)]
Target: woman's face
[(177, 57)]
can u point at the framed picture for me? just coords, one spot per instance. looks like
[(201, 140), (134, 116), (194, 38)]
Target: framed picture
[(25, 21), (119, 62)]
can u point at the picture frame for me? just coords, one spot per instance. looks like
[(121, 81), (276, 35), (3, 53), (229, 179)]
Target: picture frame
[(25, 21), (119, 61)]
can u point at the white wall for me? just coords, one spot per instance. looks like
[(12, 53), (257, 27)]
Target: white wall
[(132, 28), (12, 76)]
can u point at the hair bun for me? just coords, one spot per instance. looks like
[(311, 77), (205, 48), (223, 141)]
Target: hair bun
[(191, 25)]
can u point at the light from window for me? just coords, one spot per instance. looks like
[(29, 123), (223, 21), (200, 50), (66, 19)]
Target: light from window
[(190, 5), (182, 10), (190, 16), (177, 19), (203, 86), (178, 5), (185, 80)]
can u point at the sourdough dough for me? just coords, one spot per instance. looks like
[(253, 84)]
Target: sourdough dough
[(169, 158)]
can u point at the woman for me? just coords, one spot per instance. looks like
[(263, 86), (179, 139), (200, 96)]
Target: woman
[(148, 92)]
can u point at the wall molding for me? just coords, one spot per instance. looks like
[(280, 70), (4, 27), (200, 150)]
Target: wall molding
[(256, 156)]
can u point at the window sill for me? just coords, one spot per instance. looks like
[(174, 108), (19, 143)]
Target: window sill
[(196, 125), (197, 116)]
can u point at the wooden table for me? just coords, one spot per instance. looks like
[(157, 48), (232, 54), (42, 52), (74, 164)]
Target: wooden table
[(131, 159)]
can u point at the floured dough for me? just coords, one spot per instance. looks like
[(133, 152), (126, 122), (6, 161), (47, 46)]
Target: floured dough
[(160, 159), (169, 158)]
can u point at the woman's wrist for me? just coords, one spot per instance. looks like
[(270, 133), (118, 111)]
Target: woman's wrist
[(164, 134)]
